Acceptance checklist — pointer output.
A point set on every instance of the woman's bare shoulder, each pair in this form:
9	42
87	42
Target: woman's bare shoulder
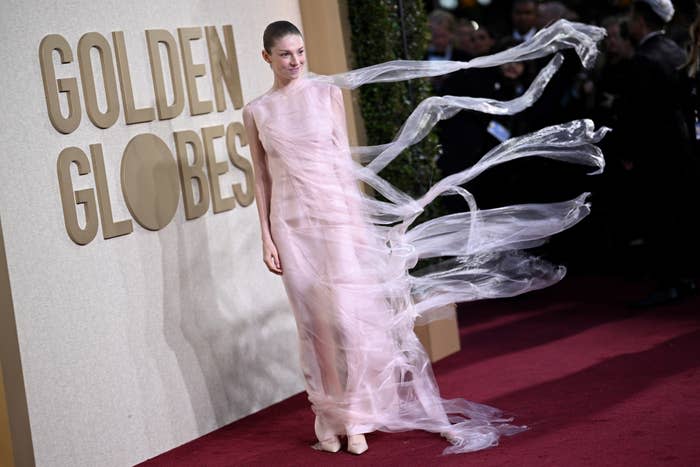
252	108
252	104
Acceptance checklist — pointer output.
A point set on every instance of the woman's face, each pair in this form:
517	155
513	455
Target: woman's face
287	57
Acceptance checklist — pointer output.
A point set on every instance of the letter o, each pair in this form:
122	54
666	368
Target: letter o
150	181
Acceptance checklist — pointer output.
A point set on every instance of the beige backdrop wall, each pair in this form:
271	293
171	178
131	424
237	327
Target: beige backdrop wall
133	345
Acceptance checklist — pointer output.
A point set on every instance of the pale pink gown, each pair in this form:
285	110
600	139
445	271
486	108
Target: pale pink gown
364	368
346	256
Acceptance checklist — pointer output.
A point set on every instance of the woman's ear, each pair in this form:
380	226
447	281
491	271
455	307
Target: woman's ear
266	56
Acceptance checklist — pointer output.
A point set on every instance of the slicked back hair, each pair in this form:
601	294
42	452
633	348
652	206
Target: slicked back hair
277	30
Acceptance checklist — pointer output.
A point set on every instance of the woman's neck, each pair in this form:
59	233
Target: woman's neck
281	83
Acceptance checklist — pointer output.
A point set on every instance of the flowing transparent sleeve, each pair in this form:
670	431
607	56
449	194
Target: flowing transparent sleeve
483	249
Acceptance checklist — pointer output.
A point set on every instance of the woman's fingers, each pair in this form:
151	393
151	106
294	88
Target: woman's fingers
273	264
277	261
271	257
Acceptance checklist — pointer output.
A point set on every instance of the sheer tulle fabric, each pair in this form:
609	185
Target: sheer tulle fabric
346	255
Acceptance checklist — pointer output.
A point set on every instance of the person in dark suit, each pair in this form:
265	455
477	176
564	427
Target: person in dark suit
524	19
657	150
441	47
464	137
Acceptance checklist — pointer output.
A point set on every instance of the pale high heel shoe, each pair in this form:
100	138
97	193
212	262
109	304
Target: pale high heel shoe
357	444
326	441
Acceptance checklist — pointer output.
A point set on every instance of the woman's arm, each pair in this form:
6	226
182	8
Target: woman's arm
263	186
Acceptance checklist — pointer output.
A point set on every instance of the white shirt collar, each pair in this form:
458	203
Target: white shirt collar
446	55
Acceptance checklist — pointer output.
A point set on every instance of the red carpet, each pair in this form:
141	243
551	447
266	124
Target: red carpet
598	383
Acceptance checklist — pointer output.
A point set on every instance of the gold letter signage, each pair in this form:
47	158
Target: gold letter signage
153	176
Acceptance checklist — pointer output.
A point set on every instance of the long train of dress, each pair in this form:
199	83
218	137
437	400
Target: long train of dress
346	255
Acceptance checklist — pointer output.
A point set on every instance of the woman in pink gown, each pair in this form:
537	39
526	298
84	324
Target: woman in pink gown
344	257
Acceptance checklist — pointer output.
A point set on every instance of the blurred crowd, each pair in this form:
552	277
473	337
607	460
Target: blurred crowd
643	87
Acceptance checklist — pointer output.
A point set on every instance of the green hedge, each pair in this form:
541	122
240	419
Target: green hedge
376	37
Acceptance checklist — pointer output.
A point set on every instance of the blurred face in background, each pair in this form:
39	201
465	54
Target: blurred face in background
637	26
513	70
524	16
483	42
616	46
464	37
440	37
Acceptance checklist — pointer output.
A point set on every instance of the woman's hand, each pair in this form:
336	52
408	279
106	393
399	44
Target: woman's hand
271	257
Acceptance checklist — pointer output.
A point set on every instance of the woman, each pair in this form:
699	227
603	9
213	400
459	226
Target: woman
305	194
344	256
